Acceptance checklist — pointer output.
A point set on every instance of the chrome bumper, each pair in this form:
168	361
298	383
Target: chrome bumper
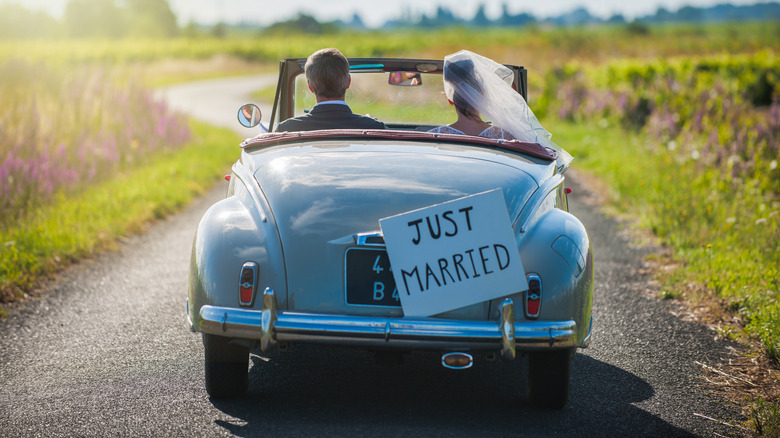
270	327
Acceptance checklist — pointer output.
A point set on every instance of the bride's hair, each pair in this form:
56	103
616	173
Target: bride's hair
480	87
460	74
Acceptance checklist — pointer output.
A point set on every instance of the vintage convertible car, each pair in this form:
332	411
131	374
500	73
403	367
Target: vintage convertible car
299	251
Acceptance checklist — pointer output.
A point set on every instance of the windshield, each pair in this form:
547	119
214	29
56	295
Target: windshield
370	93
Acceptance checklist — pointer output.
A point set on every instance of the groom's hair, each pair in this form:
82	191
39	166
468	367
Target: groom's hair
327	71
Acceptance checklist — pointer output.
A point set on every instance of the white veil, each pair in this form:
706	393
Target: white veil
474	81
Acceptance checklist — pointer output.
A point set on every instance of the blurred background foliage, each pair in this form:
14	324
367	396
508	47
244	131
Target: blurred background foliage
91	19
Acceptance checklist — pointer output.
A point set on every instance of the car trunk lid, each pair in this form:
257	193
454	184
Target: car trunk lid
324	196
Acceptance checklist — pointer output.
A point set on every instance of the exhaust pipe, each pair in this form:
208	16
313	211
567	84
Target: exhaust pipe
457	361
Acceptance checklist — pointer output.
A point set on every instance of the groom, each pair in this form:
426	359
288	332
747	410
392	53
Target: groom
327	73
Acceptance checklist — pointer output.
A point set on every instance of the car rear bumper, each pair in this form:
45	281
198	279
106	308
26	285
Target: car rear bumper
270	327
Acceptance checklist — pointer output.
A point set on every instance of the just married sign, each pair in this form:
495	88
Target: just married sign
453	254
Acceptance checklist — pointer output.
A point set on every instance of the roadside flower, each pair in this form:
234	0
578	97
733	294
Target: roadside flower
44	153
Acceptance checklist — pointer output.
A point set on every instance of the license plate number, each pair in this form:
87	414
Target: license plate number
369	278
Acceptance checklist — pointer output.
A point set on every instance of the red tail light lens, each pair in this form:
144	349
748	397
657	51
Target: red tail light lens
247	284
533	297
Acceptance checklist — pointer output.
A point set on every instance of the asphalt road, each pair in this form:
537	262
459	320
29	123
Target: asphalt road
106	352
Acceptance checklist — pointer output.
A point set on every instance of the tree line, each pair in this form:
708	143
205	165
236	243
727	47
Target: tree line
91	18
155	19
726	12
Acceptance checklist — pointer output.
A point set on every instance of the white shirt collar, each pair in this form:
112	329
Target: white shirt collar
338	102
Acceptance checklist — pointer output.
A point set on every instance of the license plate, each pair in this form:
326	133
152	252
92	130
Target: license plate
369	278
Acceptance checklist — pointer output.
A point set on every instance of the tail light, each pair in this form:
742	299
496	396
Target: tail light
533	297
247	284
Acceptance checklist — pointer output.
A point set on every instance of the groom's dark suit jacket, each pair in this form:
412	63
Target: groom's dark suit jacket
329	116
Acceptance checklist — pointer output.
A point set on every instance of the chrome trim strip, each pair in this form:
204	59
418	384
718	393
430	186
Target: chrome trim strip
586	341
375	331
190	325
362	239
268	320
246	176
527	213
507	310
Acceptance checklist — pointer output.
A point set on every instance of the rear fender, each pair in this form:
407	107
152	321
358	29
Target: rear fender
230	233
557	248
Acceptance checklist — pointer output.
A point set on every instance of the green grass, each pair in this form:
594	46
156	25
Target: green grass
764	417
700	170
725	235
77	226
267	94
166	73
533	46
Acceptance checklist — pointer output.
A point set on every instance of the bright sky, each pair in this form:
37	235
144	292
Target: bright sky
377	12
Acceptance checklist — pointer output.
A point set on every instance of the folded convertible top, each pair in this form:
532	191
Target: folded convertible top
275	138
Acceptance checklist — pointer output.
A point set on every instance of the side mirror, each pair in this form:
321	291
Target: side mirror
405	79
249	115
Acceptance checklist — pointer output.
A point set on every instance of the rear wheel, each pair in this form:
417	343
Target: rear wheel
548	378
226	366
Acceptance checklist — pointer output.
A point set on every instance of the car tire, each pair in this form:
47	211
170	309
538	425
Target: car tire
548	378
226	366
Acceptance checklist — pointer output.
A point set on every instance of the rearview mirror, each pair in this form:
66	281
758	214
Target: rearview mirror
249	115
405	79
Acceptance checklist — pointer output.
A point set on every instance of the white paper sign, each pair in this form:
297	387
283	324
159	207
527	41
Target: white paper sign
454	254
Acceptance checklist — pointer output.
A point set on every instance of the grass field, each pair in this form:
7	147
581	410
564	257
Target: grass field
82	222
705	179
537	48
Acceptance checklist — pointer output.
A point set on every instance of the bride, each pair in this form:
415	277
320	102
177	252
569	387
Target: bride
480	87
